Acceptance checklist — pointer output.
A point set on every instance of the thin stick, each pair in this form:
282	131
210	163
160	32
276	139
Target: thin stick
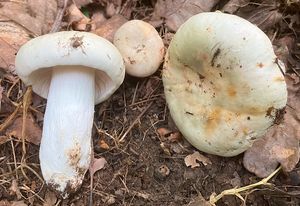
237	191
9	120
134	122
14	156
62	5
26	104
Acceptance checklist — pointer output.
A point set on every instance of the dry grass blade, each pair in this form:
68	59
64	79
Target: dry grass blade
121	139
10	118
26	105
236	191
62	5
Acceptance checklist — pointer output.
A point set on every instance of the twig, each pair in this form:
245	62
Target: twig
26	104
236	191
62	5
11	117
134	122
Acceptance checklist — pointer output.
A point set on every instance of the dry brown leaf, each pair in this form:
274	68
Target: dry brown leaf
13	203
50	199
98	18
81	3
281	143
191	160
166	134
264	16
163	132
36	16
12	36
177	12
18	203
15	190
19	21
1	91
283	48
33	132
96	164
109	27
233	5
103	145
78	20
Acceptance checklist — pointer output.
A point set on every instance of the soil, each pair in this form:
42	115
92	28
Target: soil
143	169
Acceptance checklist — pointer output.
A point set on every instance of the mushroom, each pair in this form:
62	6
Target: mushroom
223	84
141	47
74	70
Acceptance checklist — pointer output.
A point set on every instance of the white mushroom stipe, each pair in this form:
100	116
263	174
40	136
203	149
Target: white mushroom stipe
74	70
222	83
66	144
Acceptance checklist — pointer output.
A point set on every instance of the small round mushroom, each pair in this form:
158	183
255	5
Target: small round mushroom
141	47
74	70
222	82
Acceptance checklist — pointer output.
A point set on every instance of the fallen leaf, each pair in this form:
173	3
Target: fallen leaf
4	139
81	3
283	48
265	16
98	18
177	12
50	199
5	203
191	160
166	134
109	27
96	164
19	21
1	91
233	5
111	6
103	145
281	143
18	203
163	132
78	20
12	37
15	190
33	132
36	16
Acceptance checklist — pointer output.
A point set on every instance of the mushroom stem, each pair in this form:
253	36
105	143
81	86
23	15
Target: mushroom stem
65	150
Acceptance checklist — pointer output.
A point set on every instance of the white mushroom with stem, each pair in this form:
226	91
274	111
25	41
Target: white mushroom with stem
141	47
74	70
223	83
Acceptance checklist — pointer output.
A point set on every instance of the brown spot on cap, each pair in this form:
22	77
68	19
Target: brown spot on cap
260	65
213	119
231	91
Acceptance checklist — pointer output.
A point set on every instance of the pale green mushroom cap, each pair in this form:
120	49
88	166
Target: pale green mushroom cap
222	83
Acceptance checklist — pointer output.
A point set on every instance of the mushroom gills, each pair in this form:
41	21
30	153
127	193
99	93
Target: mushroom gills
65	151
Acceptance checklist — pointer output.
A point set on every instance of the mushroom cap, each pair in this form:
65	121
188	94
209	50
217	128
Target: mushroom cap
36	59
141	47
222	82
